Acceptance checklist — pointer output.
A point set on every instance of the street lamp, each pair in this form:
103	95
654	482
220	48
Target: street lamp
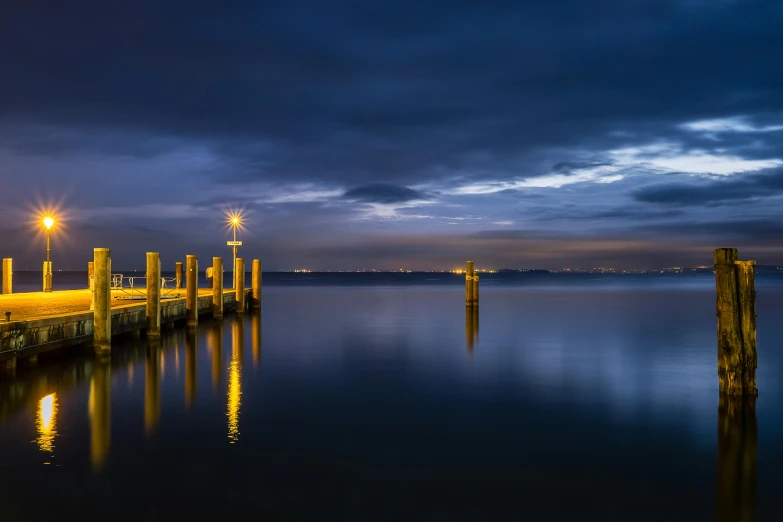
235	221
48	222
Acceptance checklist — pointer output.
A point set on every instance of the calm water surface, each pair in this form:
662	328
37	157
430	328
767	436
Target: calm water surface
588	399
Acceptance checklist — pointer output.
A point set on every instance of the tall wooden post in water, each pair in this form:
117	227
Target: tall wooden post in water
736	311
240	285
8	275
102	314
191	296
469	284
256	281
153	294
217	287
178	275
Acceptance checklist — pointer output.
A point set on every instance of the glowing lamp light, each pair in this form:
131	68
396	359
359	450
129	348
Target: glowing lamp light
48	222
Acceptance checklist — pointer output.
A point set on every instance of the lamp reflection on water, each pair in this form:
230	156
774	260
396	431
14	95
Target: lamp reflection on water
46	423
235	379
100	412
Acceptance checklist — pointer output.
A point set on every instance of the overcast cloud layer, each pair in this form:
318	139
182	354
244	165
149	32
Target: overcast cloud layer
380	134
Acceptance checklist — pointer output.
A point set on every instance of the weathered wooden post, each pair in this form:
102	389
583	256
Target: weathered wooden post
8	275
256	280
217	287
90	273
746	295
178	274
153	294
190	367
102	299
240	278
736	296
191	297
469	284
475	290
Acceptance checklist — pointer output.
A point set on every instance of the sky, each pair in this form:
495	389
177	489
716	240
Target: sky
392	134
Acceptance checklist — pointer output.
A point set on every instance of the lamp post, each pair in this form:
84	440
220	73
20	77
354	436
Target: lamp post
48	222
235	220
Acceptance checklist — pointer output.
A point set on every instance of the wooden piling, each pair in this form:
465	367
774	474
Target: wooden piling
217	287
240	279
469	284
8	275
90	273
734	283
475	290
178	274
256	281
746	296
102	300
153	294
191	296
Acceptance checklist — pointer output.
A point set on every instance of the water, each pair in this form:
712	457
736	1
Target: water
375	397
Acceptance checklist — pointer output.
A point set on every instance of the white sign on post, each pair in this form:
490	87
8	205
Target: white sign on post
234	243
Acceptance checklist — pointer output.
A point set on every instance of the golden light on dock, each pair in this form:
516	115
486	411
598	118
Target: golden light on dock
46	423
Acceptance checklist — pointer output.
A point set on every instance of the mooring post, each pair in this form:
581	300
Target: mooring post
102	300
240	278
8	275
153	294
469	284
736	309
178	274
90	273
47	276
256	280
746	295
191	298
475	290
217	287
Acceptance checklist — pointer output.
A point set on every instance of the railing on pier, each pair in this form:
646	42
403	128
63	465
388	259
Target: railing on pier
126	287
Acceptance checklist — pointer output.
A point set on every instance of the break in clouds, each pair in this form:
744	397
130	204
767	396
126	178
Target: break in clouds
388	134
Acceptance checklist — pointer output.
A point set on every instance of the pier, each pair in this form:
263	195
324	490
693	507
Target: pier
37	322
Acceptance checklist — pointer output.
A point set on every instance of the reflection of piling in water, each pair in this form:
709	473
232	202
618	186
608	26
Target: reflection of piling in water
255	337
100	411
471	327
190	367
215	343
736	306
152	388
737	436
